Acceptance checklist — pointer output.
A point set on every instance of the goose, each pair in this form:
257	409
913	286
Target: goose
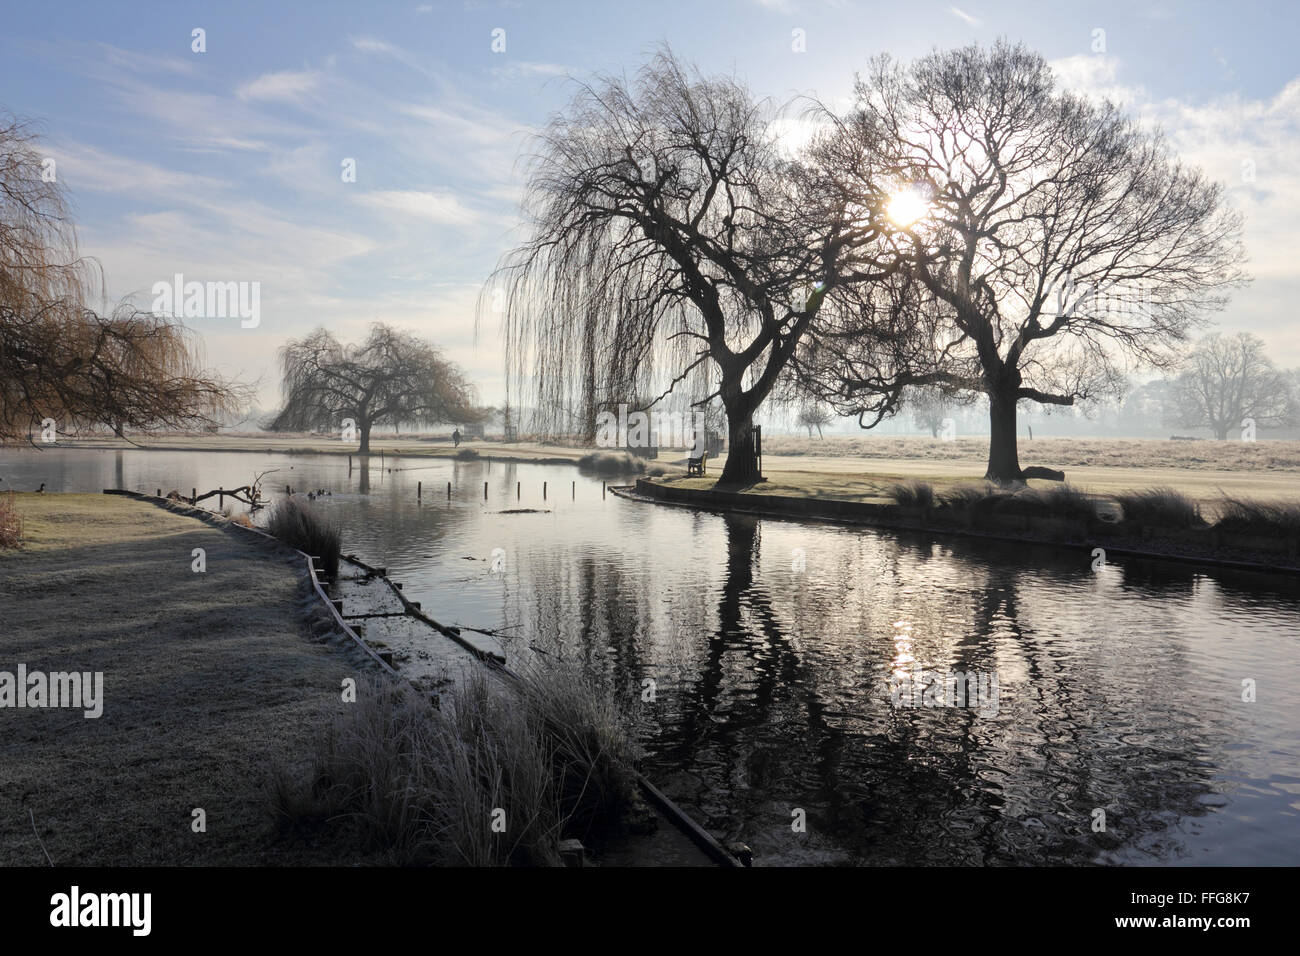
41	489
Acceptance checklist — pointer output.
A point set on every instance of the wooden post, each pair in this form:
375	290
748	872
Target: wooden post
485	491
449	491
517	490
221	496
159	492
288	490
543	491
194	495
602	489
419	490
573	490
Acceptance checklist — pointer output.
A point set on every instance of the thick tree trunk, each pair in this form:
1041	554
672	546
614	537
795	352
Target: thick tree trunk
741	467
1004	459
365	437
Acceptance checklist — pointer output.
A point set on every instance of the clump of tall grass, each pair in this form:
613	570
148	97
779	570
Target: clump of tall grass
301	526
1267	519
543	759
594	740
11	523
1058	501
1161	507
467	454
606	463
912	494
970	497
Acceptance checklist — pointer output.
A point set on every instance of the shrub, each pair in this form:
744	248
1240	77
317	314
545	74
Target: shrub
974	497
11	523
1058	501
606	463
467	454
301	526
1268	519
912	494
1160	508
422	782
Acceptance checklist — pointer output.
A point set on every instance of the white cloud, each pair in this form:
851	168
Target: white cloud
443	208
1096	76
284	86
372	45
524	69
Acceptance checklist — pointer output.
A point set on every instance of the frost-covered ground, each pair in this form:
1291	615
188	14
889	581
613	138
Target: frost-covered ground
209	680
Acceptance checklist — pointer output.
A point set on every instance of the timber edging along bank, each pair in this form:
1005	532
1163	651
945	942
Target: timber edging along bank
1073	533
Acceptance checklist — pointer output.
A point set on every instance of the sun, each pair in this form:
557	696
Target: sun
905	207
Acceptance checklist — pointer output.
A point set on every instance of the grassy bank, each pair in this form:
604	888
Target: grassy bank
210	679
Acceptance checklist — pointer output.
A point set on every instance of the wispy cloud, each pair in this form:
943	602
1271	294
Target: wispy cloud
443	208
285	86
962	15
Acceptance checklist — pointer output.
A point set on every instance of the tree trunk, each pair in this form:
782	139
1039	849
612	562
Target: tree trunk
1004	459
741	468
1221	433
365	436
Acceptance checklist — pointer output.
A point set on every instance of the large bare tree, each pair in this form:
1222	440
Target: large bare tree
61	358
391	377
1228	379
1055	239
673	243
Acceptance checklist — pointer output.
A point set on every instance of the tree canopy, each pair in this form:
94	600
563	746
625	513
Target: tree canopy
1050	240
390	378
673	242
60	357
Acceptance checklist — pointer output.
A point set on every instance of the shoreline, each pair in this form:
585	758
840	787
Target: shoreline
855	469
1074	534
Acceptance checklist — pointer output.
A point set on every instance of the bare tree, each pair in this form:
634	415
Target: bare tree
60	358
672	241
815	415
1227	379
930	407
1055	238
391	376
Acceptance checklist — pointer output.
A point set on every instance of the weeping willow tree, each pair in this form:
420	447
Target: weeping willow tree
389	378
61	358
675	244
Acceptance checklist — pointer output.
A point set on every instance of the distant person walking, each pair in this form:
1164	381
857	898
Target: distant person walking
455	436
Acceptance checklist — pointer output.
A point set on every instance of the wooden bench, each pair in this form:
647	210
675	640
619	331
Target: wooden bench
695	466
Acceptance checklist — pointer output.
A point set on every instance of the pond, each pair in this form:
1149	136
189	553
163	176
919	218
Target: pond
1110	718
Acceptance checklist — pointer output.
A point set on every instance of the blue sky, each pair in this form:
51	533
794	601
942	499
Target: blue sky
225	165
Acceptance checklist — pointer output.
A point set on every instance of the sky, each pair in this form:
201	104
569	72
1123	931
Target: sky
229	164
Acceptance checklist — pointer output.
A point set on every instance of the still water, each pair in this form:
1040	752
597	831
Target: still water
775	649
